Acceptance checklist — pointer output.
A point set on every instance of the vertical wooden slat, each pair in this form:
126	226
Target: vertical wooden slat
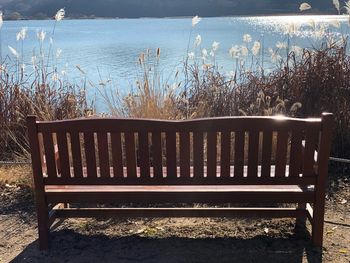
103	155
89	144
157	155
211	154
42	153
117	154
49	154
76	154
198	147
295	154
266	154
225	154
239	154
184	154
253	153
171	154
130	154
311	138
63	154
144	154
281	153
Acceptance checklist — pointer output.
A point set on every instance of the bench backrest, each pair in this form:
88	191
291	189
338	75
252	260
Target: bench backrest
227	150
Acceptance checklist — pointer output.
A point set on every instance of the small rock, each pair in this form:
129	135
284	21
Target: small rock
343	201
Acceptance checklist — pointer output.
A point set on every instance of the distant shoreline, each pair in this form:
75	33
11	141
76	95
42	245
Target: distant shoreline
173	17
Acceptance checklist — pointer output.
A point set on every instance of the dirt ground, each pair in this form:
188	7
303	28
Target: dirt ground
171	239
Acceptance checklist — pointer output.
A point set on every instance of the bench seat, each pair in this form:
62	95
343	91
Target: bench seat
178	193
175	188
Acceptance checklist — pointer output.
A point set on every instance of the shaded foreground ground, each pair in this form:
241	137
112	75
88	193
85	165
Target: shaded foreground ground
171	240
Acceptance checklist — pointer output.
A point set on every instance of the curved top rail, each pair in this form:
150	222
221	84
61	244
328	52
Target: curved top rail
277	118
204	124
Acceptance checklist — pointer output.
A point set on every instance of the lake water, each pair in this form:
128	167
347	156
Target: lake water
110	48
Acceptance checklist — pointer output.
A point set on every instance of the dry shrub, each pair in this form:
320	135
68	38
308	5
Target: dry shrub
153	98
317	82
15	175
48	101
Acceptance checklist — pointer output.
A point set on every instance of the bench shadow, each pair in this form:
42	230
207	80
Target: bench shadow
70	246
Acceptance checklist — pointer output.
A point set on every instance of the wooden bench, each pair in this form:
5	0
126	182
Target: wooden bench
214	160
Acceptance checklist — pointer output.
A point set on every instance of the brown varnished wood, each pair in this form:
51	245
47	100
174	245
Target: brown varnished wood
184	154
144	154
324	149
49	154
174	188
198	154
103	154
39	191
171	154
157	155
295	154
225	154
204	125
266	154
63	154
130	153
311	137
42	153
192	180
152	197
76	154
239	154
281	153
211	154
200	184
89	145
180	212
253	151
117	155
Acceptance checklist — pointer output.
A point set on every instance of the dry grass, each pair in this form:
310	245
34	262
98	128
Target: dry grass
303	86
152	96
19	98
16	175
316	83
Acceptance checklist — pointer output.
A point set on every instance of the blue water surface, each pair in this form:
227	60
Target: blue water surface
109	48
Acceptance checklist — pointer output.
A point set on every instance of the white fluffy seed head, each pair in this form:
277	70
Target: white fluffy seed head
196	20
198	40
215	46
41	35
336	5
281	45
60	14
13	51
191	55
256	48
1	19
304	7
21	35
247	38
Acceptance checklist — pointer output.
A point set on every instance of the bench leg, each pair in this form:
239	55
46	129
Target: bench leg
43	226
301	221
318	222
